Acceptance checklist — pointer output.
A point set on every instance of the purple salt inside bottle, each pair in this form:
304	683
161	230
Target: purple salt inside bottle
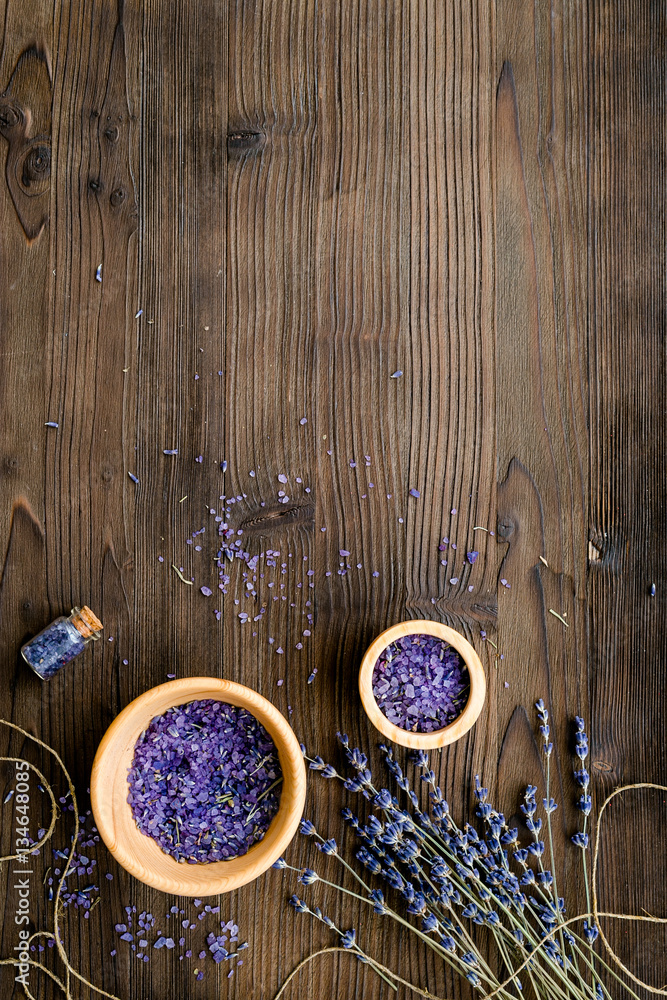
61	641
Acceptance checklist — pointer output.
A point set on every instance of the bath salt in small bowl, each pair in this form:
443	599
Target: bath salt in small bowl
422	684
260	805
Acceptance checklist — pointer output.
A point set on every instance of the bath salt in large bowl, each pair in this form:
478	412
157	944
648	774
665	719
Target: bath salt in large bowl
422	684
198	786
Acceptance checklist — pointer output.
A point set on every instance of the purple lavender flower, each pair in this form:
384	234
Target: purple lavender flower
308	876
349	938
328	846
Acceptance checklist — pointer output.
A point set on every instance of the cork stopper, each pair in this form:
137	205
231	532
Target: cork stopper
86	622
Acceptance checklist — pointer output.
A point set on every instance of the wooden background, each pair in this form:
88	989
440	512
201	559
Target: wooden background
306	197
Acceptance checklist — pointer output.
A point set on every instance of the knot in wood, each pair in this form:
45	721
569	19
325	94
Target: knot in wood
244	140
111	133
270	519
36	168
10	115
506	528
117	197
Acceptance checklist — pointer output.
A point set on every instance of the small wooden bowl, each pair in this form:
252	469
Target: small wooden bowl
138	853
461	724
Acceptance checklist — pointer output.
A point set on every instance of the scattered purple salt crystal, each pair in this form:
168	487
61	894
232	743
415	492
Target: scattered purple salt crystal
282	478
454	579
204	782
453	510
206	591
223	467
138	314
51	423
304	420
397	374
200	459
133	477
98	273
112	952
353	465
344	553
420	683
415	493
170	451
472	557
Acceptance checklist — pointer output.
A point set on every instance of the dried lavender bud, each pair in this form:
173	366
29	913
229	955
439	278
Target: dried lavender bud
204	781
420	683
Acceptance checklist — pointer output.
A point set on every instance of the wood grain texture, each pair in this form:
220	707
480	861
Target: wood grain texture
289	202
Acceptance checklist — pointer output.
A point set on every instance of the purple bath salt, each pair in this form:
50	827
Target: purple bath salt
61	641
420	683
204	781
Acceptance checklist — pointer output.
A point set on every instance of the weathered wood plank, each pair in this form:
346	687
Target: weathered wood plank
628	489
300	199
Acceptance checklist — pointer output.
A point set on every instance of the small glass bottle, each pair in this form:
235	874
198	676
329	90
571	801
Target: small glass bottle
61	641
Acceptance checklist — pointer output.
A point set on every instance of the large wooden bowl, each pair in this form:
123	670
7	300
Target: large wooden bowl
461	724
140	854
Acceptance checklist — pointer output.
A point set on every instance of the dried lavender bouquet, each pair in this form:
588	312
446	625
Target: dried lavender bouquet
440	878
